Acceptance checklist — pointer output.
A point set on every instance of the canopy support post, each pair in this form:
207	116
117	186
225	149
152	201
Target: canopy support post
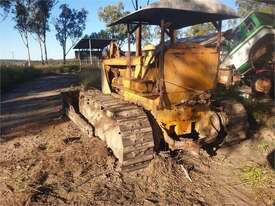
173	35
129	51
138	40
161	64
218	26
219	37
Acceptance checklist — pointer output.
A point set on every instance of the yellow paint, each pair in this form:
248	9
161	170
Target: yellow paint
123	61
189	70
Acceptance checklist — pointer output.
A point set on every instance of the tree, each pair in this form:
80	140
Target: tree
200	29
136	3
102	34
246	6
40	14
22	19
36	14
266	1
6	5
110	14
37	30
70	24
147	33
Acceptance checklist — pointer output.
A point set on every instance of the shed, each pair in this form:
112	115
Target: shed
89	50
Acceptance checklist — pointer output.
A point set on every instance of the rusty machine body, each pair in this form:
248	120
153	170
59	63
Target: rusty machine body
160	93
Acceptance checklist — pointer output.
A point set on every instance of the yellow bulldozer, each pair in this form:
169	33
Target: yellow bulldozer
161	95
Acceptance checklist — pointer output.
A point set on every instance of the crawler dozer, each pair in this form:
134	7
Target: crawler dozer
162	94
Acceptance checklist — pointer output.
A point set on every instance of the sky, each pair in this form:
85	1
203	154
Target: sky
12	47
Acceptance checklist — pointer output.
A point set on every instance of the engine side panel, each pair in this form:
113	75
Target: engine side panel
189	70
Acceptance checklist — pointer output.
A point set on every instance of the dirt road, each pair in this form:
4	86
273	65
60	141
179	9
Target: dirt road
36	101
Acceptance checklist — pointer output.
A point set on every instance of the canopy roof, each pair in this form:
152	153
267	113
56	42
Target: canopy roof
95	43
179	13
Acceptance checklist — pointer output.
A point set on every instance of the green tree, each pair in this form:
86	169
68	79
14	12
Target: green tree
148	33
102	34
22	19
36	28
110	14
31	16
40	14
137	3
266	1
246	6
6	6
70	24
200	29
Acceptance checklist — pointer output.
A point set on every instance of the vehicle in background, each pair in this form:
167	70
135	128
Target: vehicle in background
248	54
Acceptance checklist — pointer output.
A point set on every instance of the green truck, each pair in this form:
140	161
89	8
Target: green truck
248	51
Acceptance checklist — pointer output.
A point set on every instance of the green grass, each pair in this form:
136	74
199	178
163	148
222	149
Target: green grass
263	147
255	176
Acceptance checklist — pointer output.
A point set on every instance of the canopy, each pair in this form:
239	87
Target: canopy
179	13
95	43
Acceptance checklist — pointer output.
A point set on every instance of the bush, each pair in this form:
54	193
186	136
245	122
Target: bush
15	74
90	77
58	68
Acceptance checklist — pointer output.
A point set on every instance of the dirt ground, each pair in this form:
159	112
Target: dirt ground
57	165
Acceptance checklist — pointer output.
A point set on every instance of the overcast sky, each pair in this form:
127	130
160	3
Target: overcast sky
11	46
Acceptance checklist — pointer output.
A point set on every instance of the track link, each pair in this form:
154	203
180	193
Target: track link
123	126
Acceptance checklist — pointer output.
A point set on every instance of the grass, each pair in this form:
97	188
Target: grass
12	75
263	147
90	77
255	176
58	68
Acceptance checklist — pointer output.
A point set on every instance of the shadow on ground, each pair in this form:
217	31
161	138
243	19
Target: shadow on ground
35	102
271	159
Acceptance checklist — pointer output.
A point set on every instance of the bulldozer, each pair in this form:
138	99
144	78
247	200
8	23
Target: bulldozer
161	96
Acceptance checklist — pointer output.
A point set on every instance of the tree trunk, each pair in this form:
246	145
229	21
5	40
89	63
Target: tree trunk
45	50
24	37
28	48
64	53
41	50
